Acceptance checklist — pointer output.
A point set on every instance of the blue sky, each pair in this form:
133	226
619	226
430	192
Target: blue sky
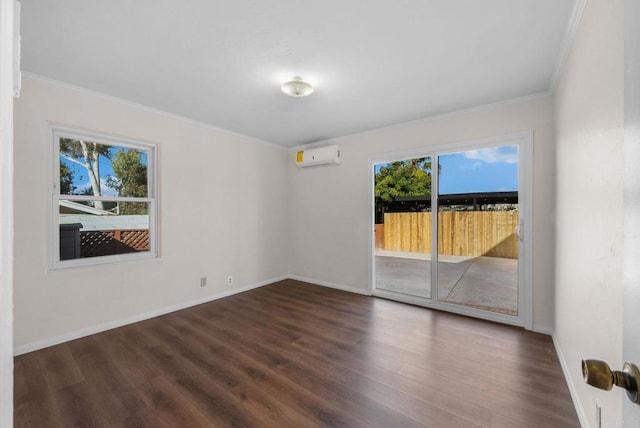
487	170
494	169
81	178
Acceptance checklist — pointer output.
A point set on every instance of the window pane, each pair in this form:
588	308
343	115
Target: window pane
403	226
477	221
96	169
89	231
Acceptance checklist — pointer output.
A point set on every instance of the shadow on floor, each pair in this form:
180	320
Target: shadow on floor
487	283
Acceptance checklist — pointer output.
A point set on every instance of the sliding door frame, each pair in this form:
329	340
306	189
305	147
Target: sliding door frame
524	140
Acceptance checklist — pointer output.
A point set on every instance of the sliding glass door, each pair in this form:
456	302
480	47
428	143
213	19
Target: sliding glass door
403	226
477	229
450	236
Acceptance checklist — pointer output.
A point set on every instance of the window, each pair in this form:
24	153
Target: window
103	200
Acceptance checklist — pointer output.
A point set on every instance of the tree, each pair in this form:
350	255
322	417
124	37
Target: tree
86	154
403	178
66	180
130	179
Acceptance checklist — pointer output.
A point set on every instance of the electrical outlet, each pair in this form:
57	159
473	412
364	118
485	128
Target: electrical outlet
203	281
230	280
598	415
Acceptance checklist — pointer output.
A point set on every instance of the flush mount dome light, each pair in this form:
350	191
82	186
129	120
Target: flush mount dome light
297	87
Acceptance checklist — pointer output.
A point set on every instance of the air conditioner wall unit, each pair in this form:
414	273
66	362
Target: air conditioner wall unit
328	155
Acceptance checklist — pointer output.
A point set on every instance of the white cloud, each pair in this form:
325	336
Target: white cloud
504	154
106	191
464	166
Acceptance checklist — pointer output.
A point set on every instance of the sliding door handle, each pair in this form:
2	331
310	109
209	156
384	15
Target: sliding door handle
519	232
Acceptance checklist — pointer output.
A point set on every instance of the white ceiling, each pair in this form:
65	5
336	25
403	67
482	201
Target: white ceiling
374	63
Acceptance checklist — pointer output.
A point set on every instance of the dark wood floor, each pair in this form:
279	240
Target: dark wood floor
297	355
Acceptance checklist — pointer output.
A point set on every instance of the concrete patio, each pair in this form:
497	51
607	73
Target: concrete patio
487	283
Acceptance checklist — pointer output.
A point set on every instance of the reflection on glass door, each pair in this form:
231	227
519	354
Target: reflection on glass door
403	237
478	246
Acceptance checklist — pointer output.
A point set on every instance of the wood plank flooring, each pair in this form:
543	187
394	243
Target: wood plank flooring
297	355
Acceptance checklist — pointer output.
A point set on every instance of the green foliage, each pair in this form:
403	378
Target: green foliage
66	180
87	155
71	148
130	179
130	173
403	178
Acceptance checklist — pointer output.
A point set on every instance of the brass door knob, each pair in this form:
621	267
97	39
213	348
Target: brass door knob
598	374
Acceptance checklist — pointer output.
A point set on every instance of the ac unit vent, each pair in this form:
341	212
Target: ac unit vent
328	155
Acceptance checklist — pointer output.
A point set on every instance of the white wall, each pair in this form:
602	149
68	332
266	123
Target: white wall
631	276
329	232
221	199
589	104
6	211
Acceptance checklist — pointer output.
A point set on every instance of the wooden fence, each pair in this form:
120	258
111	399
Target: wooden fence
109	242
461	233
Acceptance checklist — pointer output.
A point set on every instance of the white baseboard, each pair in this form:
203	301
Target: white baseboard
77	334
572	388
330	285
543	330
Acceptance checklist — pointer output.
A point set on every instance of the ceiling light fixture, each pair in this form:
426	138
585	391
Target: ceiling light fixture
297	87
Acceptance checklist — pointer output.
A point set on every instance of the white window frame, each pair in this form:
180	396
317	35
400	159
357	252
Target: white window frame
57	132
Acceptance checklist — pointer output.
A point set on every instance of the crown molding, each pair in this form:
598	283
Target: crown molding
567	41
425	120
144	108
